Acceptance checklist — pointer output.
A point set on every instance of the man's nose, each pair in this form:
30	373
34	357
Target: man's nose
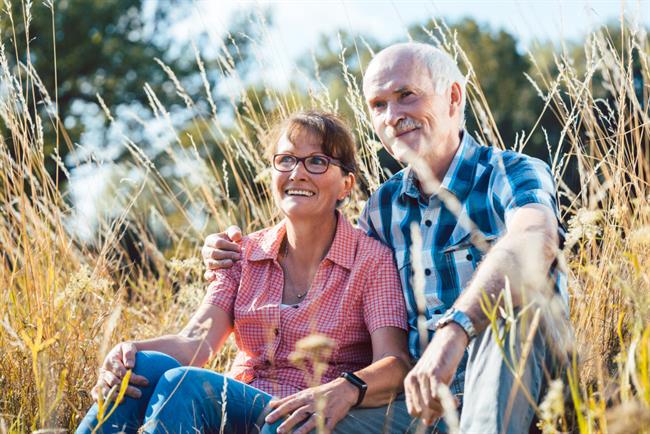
393	115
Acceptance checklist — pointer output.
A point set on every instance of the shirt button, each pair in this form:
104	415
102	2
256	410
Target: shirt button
428	223
276	331
468	257
427	271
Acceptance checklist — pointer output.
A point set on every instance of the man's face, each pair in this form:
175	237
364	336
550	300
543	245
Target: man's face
405	109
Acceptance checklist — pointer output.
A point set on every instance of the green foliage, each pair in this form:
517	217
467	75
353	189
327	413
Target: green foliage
85	48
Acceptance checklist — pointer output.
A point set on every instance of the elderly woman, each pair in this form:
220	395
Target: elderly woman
311	273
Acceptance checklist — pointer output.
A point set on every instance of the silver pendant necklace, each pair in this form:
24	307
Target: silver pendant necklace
284	252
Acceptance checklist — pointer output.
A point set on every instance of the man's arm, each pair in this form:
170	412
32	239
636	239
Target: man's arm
523	256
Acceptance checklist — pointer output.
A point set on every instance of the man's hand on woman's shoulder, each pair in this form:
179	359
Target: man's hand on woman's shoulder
221	250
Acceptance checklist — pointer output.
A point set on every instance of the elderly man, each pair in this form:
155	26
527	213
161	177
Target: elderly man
464	200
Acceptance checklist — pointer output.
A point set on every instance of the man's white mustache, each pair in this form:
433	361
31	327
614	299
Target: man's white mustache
405	124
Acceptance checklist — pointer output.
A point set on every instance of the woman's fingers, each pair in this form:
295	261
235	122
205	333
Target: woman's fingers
295	418
284	407
138	380
133	392
109	379
128	354
112	392
309	425
114	364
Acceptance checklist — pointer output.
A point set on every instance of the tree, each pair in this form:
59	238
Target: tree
85	48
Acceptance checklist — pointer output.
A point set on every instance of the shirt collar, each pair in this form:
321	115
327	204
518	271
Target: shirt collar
459	178
268	245
342	250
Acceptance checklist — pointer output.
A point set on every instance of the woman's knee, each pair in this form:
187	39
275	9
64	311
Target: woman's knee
153	364
188	380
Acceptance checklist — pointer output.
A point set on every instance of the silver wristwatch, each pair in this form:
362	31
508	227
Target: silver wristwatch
460	318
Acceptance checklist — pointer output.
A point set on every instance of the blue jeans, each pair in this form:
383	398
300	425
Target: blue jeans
491	404
181	399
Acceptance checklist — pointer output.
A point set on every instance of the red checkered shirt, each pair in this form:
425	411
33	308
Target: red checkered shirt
355	291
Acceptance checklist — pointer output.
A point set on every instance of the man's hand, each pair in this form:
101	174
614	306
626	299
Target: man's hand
221	250
437	366
338	396
117	362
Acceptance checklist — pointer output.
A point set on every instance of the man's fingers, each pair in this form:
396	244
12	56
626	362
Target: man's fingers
212	264
412	392
211	239
430	415
221	255
128	355
234	233
426	391
228	246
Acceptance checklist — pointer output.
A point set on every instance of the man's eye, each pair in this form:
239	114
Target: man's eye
378	105
406	93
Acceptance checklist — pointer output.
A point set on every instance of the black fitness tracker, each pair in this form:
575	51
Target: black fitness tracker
358	383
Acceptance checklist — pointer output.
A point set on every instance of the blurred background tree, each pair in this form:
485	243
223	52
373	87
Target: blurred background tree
85	48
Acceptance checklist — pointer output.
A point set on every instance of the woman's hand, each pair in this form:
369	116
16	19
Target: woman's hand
117	362
338	397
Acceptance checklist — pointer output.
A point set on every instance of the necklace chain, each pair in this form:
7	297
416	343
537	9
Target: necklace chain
284	252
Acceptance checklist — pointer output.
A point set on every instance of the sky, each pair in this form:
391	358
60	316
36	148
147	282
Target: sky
298	23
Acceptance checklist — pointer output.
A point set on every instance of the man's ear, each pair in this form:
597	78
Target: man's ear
455	98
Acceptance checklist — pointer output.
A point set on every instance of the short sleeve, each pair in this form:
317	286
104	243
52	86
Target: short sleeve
223	289
383	300
527	181
364	222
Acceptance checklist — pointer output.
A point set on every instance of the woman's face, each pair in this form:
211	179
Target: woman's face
300	194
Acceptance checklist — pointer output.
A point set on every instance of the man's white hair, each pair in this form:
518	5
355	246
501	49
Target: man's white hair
442	68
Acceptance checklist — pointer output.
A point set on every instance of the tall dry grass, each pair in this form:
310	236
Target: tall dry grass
64	302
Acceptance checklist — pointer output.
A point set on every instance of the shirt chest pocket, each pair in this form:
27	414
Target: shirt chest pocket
434	303
463	258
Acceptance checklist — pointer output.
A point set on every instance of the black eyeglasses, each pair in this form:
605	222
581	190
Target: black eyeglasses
315	164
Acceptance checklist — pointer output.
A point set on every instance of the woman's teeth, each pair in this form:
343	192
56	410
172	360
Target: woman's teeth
300	193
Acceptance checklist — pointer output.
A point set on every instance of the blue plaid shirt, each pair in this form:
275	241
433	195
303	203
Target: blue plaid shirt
490	185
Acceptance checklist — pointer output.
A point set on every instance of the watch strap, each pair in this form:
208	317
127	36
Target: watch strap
460	318
358	383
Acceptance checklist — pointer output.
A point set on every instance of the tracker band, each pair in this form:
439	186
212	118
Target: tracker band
358	383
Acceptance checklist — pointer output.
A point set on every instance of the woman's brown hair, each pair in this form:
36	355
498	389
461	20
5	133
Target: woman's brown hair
336	139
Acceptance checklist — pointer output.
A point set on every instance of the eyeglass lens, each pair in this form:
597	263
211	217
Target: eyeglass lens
313	163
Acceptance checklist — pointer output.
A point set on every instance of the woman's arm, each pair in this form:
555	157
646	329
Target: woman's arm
199	340
390	364
384	377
